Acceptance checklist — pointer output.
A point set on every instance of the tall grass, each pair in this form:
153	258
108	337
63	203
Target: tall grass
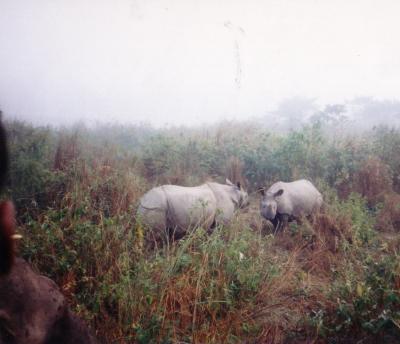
335	279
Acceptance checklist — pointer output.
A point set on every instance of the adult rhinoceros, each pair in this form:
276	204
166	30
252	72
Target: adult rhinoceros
178	209
283	202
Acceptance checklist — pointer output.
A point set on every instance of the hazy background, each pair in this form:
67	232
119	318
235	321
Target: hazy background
192	62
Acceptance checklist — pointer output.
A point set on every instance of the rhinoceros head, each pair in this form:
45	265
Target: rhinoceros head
240	196
269	205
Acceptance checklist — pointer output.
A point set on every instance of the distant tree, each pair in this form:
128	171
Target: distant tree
369	112
293	113
332	114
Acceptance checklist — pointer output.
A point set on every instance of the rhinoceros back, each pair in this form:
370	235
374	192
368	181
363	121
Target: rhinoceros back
177	207
299	198
189	207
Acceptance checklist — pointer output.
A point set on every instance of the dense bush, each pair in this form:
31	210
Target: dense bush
334	280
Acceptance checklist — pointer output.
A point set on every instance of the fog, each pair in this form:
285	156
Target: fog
192	62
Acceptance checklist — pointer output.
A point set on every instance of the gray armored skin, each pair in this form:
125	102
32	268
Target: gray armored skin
180	209
284	202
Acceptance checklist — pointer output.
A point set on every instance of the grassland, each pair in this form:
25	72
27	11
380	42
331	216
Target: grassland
336	280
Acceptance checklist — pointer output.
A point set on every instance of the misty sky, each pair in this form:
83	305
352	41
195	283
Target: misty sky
188	61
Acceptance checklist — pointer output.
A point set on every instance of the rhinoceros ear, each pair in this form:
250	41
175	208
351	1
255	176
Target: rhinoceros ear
228	182
261	191
239	185
278	193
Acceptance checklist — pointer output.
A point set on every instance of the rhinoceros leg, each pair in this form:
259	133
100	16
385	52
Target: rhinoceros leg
175	233
283	220
275	223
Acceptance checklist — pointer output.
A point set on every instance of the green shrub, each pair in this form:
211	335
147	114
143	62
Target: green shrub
333	280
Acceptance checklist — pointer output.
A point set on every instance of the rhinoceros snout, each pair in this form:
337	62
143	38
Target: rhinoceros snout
267	212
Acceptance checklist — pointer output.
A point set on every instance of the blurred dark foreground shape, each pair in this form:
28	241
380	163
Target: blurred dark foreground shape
32	308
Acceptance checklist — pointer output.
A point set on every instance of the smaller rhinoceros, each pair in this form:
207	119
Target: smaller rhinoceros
284	202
